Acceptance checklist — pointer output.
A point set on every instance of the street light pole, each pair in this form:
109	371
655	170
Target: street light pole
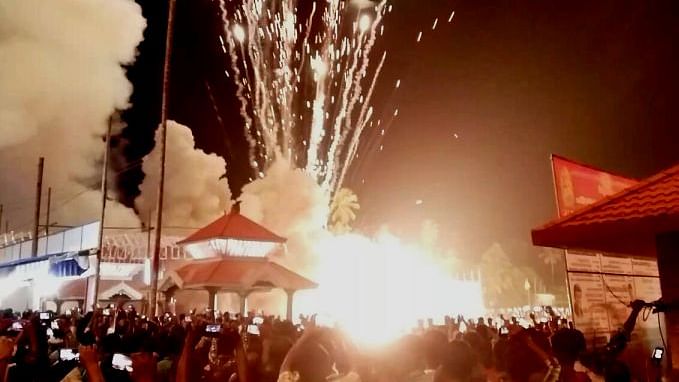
104	188
155	263
526	286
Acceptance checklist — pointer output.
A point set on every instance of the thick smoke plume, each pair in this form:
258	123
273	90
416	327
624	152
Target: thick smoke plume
196	191
291	203
61	79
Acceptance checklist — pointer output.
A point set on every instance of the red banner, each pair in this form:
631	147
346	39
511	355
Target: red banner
577	185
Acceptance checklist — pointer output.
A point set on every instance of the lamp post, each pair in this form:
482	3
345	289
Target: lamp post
526	286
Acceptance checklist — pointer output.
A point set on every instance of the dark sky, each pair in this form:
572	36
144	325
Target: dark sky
516	81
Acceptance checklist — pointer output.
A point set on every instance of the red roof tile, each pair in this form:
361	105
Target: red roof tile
651	205
236	274
75	289
233	226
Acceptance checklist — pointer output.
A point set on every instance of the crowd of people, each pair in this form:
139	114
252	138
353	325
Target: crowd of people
118	344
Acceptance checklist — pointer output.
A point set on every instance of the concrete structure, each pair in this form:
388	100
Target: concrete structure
642	220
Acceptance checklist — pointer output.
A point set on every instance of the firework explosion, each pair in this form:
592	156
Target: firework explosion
304	80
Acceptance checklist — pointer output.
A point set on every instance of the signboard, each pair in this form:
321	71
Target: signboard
589	305
577	185
602	286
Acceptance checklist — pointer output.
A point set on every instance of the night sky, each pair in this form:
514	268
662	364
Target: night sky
516	81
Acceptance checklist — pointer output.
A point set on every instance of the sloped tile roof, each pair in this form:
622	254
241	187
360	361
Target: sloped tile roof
233	226
237	274
652	204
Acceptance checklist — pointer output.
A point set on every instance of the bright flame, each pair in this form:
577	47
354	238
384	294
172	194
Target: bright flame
239	33
378	289
364	23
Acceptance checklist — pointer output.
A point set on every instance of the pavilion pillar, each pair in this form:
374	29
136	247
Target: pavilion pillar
288	309
243	302
212	294
667	250
169	293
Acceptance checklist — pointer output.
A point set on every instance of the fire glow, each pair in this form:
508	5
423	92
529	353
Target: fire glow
378	289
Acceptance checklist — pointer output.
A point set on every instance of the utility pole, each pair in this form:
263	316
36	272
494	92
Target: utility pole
47	218
104	188
155	264
38	195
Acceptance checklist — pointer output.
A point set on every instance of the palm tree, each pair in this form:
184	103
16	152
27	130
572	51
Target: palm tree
497	274
343	211
550	257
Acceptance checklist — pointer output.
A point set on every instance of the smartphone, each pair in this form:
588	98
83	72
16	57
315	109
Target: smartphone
187	319
253	329
54	324
69	354
44	316
107	312
463	327
17	326
213	330
258	320
121	362
49	332
658	353
504	331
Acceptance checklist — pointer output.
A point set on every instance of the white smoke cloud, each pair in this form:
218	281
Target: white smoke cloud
61	79
289	202
195	191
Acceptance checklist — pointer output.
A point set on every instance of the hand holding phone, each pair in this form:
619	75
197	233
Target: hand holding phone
253	329
658	353
213	330
69	355
121	362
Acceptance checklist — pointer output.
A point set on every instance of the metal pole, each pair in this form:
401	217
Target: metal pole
2	207
104	188
155	264
47	218
38	195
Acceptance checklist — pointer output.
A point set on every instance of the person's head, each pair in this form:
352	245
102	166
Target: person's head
320	355
567	193
617	371
567	345
435	347
577	292
405	357
522	362
458	364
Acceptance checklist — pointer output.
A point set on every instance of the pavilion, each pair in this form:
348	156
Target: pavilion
231	255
